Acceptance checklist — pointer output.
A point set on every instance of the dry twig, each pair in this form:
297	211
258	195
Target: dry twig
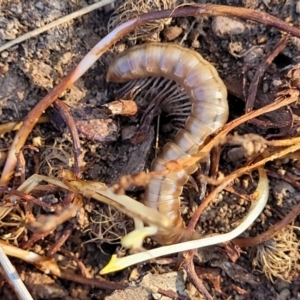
259	239
261	70
49	266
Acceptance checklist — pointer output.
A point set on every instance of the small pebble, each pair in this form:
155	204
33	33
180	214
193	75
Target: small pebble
265	87
235	154
128	132
16	8
134	275
285	294
39	5
254	56
281	172
245	183
172	32
4	54
281	285
66	58
223	26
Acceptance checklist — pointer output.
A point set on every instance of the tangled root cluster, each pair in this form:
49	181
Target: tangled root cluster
280	256
131	8
108	226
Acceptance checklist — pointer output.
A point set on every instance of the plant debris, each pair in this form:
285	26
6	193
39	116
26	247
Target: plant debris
61	230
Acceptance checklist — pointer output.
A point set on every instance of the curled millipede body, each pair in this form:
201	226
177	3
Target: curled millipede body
209	111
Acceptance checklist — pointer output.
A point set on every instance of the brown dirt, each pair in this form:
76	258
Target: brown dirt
29	70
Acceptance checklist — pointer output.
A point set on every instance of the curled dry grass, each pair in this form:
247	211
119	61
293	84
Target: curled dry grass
279	257
131	9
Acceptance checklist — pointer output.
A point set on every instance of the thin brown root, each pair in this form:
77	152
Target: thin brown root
274	230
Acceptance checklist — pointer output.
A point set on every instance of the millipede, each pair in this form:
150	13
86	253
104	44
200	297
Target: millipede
209	111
